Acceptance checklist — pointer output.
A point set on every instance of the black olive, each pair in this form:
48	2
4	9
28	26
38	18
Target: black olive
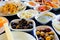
38	36
20	26
13	23
20	22
30	26
30	22
14	26
23	22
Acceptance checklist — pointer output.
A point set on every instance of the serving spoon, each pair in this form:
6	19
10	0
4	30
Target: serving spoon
8	32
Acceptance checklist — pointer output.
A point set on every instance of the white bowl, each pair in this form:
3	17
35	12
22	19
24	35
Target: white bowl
27	4
30	11
35	8
16	20
2	3
44	26
45	18
56	24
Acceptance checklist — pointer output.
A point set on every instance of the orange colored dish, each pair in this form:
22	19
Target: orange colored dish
43	8
3	20
51	5
32	3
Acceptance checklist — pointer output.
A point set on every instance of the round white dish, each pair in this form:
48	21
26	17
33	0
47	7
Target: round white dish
16	20
36	8
44	26
2	3
22	36
25	14
18	36
45	17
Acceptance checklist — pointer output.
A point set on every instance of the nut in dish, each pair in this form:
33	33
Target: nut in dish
45	33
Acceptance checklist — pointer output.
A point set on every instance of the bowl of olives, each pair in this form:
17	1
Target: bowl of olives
45	33
22	25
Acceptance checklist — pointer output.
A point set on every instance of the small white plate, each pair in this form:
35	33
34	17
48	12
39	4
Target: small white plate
18	36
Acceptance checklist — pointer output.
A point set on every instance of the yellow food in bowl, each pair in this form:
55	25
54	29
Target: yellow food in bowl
11	8
3	21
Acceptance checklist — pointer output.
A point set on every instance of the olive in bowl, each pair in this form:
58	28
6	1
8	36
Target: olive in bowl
22	24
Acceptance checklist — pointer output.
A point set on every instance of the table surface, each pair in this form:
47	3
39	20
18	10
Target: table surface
56	11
